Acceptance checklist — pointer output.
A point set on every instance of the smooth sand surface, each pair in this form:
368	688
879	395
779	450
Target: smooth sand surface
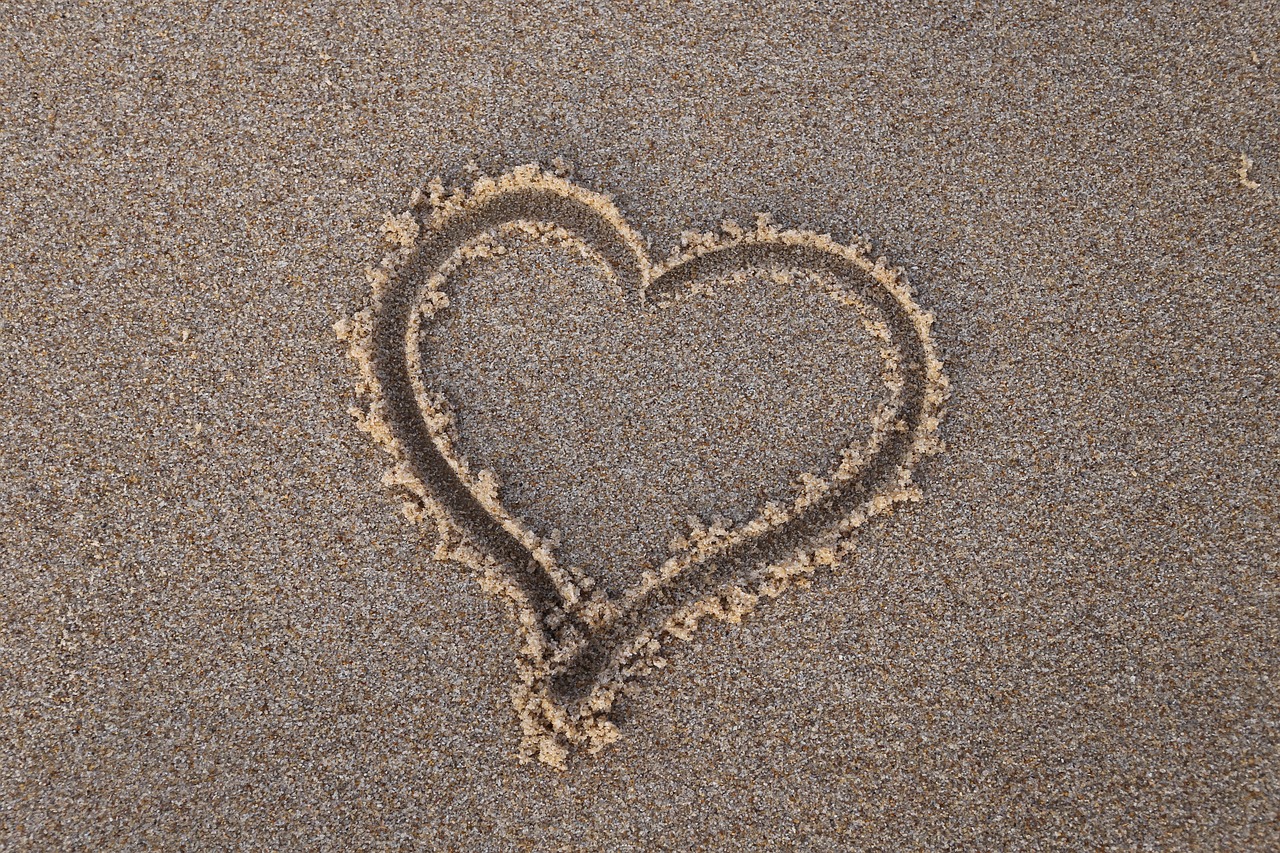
218	631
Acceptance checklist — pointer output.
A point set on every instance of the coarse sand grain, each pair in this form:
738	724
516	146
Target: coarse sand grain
218	629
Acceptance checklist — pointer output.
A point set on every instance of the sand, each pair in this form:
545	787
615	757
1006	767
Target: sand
219	630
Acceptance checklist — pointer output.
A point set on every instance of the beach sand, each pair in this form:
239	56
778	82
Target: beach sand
218	630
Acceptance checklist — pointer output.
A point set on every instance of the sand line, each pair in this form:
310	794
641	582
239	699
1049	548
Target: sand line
580	645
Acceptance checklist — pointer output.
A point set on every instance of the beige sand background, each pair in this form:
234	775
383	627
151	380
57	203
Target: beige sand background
216	632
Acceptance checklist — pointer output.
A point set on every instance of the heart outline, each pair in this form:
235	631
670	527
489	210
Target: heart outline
579	652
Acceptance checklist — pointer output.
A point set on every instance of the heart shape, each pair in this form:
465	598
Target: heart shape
581	644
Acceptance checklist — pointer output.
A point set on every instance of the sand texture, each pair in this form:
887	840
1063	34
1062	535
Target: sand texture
972	547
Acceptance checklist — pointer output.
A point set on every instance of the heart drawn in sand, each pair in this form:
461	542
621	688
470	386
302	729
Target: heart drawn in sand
581	643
